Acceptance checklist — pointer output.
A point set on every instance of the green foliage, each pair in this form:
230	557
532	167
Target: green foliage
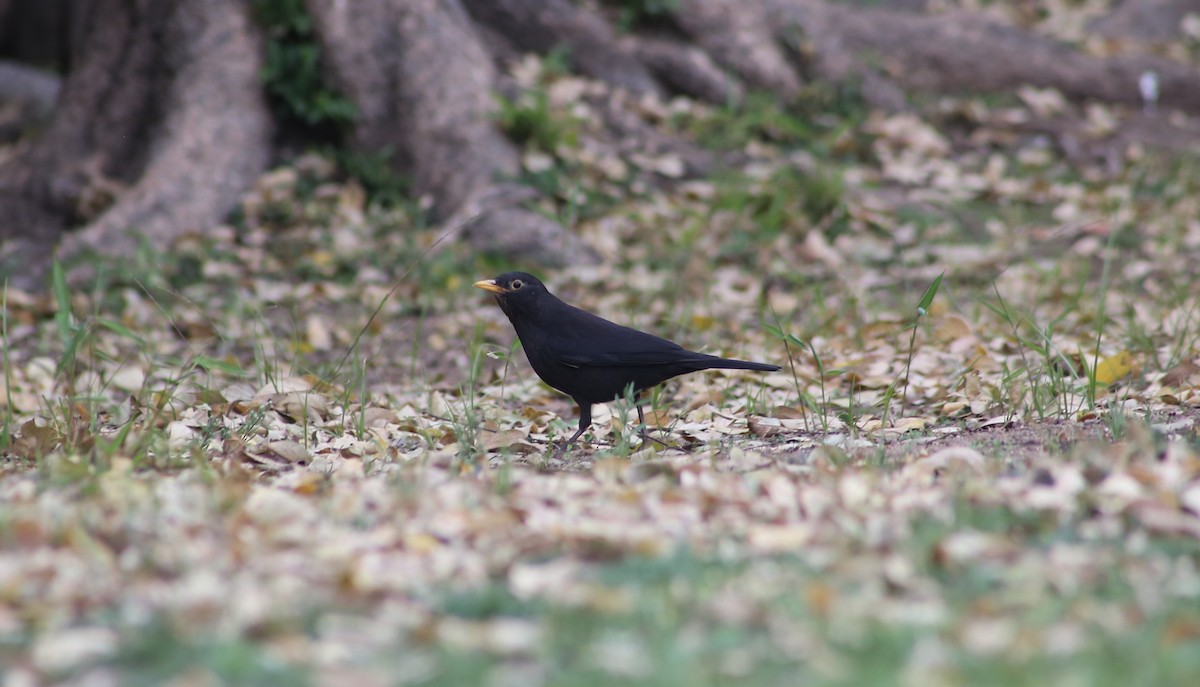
634	13
922	310
292	73
819	121
551	130
668	633
787	195
529	120
374	171
1050	377
790	197
158	653
1101	317
70	333
683	565
488	602
805	401
466	417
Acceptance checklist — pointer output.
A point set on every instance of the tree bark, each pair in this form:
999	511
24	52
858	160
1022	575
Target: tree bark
592	45
1145	20
740	37
422	82
959	51
160	128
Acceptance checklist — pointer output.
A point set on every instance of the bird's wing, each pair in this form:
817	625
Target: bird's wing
618	346
586	340
625	358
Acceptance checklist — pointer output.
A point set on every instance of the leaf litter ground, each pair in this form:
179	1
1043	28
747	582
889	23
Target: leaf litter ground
194	489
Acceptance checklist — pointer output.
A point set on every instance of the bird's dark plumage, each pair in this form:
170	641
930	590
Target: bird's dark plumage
587	357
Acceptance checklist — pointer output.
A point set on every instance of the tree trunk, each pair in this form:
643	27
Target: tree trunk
422	81
160	128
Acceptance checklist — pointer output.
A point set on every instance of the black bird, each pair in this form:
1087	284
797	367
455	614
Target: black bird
587	357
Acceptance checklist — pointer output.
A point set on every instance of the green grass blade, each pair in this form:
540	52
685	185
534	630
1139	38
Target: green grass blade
930	293
62	302
217	365
120	330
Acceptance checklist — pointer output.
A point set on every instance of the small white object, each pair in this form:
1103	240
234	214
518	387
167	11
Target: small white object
1148	86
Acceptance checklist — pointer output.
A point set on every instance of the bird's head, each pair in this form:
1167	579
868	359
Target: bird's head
518	293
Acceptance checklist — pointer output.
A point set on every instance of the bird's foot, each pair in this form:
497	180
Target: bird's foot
560	451
645	435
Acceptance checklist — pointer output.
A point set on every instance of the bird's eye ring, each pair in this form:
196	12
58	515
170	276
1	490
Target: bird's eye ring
517	284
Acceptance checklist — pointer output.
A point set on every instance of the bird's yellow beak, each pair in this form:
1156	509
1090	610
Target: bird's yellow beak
490	285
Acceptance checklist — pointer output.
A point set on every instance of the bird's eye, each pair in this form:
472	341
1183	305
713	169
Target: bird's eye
517	283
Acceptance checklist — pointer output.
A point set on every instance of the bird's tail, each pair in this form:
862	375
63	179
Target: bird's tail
713	362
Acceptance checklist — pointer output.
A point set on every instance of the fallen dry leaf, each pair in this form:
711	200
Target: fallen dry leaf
1114	367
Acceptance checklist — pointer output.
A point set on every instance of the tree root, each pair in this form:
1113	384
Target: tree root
142	145
955	52
423	81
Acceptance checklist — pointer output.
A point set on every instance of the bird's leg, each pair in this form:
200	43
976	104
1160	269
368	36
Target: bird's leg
585	421
644	431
